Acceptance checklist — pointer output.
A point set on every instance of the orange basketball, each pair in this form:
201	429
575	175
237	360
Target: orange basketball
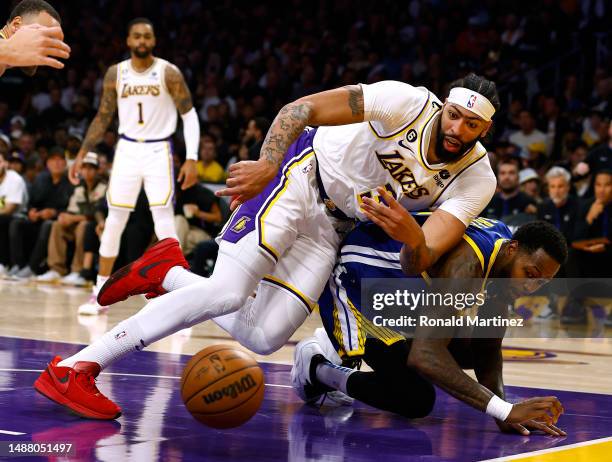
222	386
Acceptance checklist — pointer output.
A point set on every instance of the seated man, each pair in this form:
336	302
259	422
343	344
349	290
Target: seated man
71	225
404	369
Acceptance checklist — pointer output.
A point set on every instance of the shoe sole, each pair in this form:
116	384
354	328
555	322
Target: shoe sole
122	273
53	395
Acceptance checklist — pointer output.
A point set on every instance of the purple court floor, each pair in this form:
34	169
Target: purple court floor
156	426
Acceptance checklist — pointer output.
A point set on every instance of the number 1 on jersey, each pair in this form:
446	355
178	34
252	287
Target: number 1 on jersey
140	121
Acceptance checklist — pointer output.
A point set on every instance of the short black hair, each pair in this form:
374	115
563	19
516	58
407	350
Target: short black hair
135	21
27	7
542	235
262	124
604	171
480	85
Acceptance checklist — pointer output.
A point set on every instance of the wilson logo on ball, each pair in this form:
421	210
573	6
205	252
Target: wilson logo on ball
231	391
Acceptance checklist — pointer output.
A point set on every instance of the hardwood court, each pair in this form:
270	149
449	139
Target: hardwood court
38	321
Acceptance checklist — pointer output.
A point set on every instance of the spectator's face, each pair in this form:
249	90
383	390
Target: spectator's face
16	166
459	131
56	165
603	188
251	131
531	188
578	155
207	151
89	172
26	144
508	177
141	40
558	190
3	165
526	121
4	149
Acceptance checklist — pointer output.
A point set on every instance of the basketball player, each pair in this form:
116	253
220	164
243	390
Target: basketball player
404	370
32	37
147	91
309	187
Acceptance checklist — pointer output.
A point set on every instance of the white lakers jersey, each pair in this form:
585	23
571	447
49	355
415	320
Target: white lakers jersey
146	109
390	150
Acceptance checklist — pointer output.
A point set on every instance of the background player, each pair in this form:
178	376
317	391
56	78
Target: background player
32	37
147	91
388	133
404	369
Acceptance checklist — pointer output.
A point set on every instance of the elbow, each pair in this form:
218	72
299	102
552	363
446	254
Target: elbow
416	360
410	262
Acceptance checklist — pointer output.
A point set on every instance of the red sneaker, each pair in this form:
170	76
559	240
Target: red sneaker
75	388
145	275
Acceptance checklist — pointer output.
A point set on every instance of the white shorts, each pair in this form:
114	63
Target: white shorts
135	163
288	224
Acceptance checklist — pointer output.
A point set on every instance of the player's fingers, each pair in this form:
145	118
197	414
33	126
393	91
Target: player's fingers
232	182
50	62
228	192
389	199
380	208
522	430
559	430
235	203
550	429
374	219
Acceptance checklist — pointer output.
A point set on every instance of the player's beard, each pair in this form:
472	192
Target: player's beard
448	157
142	54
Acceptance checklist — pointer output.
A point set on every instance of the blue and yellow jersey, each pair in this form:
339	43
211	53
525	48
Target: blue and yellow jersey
368	252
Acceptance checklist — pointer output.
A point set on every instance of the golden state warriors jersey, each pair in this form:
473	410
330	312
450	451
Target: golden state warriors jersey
390	148
146	109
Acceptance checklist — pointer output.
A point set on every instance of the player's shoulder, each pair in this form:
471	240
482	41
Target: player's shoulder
397	91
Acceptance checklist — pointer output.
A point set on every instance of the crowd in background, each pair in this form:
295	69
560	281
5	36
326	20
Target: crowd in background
551	146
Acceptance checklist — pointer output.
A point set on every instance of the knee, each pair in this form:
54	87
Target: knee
420	404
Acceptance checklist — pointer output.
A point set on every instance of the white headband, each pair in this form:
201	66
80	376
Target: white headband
472	101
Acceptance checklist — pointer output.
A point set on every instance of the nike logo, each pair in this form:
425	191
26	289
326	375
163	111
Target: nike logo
145	269
61	383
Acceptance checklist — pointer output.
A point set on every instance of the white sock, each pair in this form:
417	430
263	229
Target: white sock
333	376
122	339
178	277
100	280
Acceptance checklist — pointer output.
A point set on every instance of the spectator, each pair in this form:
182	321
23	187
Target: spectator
553	124
71	226
560	209
197	216
577	155
530	183
591	260
592	128
209	170
16	163
509	200
5	144
600	158
13	201
528	133
50	194
254	135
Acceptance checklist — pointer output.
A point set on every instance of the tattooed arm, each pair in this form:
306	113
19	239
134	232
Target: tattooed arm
178	89
106	112
334	107
188	174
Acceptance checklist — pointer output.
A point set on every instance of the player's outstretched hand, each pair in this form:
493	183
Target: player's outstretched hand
392	218
188	174
247	179
545	410
36	45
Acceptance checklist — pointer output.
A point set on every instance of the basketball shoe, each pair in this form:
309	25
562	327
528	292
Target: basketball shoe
145	275
75	388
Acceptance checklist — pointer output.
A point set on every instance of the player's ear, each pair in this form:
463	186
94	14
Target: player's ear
512	248
15	24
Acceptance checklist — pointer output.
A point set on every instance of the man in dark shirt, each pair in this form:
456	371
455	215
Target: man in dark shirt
50	194
560	208
598	159
255	134
509	200
196	216
591	261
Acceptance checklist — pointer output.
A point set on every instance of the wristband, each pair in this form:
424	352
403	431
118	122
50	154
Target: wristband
498	408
